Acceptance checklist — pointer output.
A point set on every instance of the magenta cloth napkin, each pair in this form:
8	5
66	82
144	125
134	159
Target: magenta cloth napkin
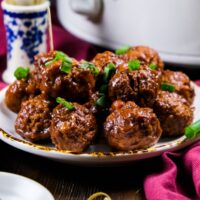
179	179
179	176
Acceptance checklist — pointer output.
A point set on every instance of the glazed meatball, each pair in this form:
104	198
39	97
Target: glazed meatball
131	128
181	82
145	54
75	86
91	104
102	59
19	91
16	94
72	130
34	119
174	113
119	87
40	61
118	104
145	84
139	85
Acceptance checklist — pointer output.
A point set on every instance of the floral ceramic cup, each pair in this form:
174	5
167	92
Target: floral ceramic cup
26	30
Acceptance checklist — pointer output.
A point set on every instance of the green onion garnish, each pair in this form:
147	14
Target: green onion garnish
153	66
101	102
49	62
66	67
192	130
122	50
67	62
103	88
21	72
65	103
90	66
107	71
167	87
134	65
59	56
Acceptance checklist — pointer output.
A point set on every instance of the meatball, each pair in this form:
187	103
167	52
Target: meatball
72	130
119	87
131	128
139	85
19	91
145	54
75	86
181	82
91	104
39	66
34	119
174	113
145	84
102	59
118	104
16	94
40	60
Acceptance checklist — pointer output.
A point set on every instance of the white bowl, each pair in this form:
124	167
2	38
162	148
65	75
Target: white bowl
15	187
171	27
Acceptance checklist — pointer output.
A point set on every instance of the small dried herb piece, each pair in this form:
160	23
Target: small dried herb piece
122	50
134	65
167	87
21	72
65	103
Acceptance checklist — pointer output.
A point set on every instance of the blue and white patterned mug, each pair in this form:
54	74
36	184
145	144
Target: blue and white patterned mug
26	30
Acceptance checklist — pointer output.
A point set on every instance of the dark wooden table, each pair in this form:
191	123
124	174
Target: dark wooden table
68	182
78	183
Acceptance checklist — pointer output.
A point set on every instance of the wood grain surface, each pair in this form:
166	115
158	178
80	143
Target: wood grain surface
72	182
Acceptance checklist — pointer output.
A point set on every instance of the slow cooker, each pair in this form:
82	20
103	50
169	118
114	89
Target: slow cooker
172	27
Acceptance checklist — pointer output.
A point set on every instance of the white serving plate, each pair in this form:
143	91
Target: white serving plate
96	154
15	187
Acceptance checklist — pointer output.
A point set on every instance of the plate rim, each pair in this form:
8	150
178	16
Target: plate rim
31	181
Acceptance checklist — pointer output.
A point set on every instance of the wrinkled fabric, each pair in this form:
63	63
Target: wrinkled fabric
179	179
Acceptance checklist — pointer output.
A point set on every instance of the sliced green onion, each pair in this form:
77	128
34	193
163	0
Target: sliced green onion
122	50
103	89
65	103
66	67
49	63
192	130
21	72
59	56
134	65
107	71
91	67
167	87
102	101
153	66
